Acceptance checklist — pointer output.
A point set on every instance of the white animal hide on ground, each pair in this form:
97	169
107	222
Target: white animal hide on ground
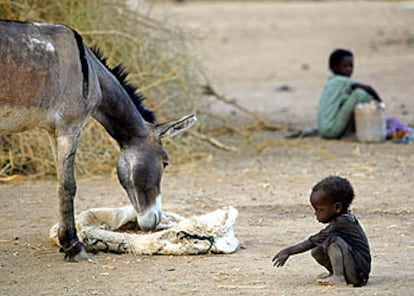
209	233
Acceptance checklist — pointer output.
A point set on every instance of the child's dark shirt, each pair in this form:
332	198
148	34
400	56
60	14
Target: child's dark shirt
348	228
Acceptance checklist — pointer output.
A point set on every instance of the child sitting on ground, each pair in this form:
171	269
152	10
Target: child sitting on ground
340	96
342	247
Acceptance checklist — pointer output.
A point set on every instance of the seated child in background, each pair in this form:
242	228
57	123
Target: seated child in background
342	247
340	96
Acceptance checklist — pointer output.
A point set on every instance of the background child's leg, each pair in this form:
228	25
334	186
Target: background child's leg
345	115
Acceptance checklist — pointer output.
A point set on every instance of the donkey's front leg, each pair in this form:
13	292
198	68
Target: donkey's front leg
66	151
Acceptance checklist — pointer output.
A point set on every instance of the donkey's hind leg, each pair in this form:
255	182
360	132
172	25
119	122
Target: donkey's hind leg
67	144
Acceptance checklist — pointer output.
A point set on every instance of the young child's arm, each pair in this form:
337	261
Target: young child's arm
368	89
280	258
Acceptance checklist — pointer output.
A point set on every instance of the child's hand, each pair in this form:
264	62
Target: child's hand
280	258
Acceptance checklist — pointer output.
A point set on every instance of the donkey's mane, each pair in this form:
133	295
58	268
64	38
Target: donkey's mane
121	75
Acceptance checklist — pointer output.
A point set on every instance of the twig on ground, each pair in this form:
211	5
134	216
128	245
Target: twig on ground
209	91
212	141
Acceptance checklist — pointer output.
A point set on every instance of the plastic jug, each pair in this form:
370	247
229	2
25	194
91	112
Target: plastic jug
370	122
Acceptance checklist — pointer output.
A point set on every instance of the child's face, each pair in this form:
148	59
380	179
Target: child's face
345	67
325	208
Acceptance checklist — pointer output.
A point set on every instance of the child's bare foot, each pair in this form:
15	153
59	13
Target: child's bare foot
331	280
323	275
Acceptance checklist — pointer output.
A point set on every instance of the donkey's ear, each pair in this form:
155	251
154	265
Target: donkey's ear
173	128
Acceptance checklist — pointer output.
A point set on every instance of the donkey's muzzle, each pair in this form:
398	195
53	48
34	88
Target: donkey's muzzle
149	220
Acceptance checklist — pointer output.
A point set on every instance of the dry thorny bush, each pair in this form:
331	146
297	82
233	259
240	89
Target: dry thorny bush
161	59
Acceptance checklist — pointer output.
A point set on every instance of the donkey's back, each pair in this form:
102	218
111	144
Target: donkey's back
41	76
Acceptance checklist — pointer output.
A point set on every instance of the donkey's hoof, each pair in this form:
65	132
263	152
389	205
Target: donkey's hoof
76	253
81	256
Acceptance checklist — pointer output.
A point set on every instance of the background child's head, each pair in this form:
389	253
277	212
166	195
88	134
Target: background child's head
341	62
334	192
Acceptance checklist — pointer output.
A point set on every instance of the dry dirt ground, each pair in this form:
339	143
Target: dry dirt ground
250	50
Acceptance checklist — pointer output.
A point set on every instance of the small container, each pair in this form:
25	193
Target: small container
370	122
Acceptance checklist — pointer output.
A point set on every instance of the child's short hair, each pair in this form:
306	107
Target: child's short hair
337	55
338	188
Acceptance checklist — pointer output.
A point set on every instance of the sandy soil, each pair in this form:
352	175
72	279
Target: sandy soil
250	50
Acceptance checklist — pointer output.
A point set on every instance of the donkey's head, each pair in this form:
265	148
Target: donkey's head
140	168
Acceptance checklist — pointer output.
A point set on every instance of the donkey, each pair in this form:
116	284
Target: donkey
50	79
